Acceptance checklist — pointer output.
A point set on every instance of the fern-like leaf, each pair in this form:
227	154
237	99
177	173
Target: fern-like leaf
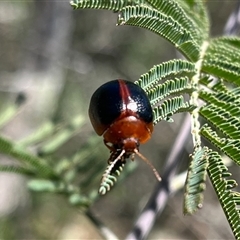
16	151
220	92
17	169
224	98
229	126
230	41
166	70
103	4
153	20
223	112
219	48
176	86
195	183
169	107
230	147
229	199
229	71
109	177
173	9
197	12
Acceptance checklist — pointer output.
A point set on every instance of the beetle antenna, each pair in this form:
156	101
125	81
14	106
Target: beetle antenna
112	165
108	179
150	164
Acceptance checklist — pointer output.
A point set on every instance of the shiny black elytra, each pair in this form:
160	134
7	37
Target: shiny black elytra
120	111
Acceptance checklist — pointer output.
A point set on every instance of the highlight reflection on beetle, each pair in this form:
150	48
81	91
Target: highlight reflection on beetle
121	112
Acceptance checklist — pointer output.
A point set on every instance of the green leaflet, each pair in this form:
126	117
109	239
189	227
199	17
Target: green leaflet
222	59
176	86
153	20
206	81
236	92
230	147
221	88
187	15
42	185
14	150
17	169
190	50
177	75
169	107
170	69
220	49
197	12
106	184
103	4
225	100
229	199
229	126
230	41
173	9
108	178
223	112
229	71
195	183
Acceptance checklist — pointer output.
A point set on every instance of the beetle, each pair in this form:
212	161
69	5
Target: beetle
121	111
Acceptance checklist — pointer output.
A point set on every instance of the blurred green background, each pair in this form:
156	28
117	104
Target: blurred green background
57	57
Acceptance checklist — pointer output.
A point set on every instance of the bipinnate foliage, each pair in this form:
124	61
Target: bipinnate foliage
206	84
210	73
